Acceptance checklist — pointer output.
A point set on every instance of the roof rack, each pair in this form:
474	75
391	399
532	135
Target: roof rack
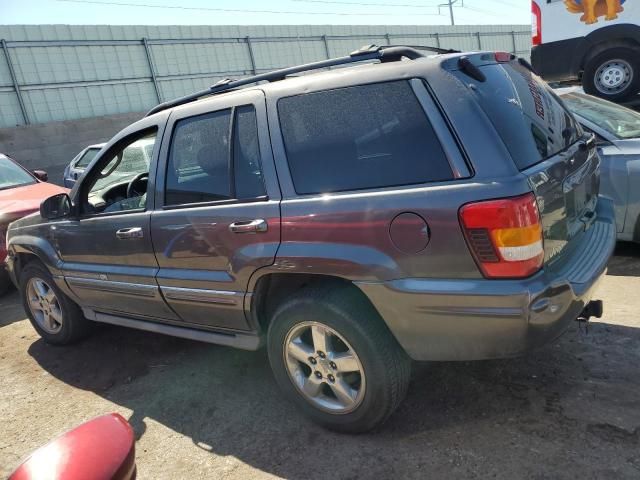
370	52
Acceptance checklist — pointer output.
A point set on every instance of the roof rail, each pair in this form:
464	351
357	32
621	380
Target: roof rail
426	47
369	52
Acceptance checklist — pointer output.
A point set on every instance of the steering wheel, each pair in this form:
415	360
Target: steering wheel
132	183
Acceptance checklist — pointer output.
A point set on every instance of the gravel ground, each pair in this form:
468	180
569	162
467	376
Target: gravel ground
569	410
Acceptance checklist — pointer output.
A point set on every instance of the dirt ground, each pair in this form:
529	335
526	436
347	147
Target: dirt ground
571	410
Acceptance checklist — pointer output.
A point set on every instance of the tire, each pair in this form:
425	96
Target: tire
5	281
66	322
613	74
349	321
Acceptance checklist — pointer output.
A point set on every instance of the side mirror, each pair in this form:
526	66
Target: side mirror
41	175
58	206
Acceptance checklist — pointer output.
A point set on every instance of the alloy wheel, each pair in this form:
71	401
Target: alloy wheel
44	305
324	367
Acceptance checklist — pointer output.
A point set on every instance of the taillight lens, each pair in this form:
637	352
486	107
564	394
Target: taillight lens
536	24
505	236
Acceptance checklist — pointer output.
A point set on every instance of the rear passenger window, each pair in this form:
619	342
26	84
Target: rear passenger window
354	138
246	154
200	168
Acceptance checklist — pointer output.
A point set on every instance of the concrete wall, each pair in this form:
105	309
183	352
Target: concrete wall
65	72
52	145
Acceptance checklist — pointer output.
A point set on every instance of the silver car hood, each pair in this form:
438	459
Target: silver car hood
629	147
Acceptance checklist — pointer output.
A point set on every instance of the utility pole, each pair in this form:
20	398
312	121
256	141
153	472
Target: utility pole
450	5
450	2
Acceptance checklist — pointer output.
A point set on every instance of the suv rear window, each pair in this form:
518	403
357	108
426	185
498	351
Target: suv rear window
529	117
353	138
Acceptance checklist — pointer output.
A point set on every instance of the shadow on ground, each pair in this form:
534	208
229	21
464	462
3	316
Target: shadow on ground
458	418
11	310
626	260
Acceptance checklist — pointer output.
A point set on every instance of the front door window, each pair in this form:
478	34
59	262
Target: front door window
121	185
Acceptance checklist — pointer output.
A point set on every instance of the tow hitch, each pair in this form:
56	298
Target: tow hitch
593	309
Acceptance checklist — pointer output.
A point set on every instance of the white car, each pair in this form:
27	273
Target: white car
81	161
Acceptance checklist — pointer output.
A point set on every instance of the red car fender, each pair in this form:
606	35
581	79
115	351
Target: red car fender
100	449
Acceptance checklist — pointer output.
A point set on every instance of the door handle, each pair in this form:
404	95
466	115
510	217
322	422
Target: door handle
129	233
254	226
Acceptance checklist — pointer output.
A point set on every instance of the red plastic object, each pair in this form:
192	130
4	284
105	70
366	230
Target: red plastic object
101	449
503	57
536	24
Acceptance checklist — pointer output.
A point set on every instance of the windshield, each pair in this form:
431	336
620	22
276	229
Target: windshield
615	119
11	175
86	158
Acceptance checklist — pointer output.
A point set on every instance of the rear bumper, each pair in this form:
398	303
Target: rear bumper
474	319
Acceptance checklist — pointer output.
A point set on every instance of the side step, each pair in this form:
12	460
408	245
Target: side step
241	341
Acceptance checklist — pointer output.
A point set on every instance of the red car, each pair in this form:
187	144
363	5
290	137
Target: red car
21	192
101	449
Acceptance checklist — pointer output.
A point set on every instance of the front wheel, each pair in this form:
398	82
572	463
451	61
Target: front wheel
334	357
613	74
56	318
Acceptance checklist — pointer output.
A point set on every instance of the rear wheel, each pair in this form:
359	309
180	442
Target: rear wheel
334	357
56	318
613	74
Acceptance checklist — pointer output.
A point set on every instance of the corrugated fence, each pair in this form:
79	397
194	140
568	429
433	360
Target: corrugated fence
60	72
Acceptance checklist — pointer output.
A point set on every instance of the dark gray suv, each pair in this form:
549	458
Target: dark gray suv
438	207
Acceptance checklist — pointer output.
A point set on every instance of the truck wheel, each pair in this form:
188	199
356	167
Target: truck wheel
56	318
613	74
334	357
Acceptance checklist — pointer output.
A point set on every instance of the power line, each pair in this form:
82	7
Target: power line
508	4
237	10
403	5
480	10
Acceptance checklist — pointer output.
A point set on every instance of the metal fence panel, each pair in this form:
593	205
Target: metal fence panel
68	72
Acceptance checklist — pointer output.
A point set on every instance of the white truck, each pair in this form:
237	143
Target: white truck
595	41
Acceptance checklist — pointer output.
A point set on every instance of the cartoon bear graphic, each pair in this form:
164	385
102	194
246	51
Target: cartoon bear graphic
592	9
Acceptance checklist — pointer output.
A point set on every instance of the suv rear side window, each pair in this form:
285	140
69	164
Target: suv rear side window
529	117
200	167
368	136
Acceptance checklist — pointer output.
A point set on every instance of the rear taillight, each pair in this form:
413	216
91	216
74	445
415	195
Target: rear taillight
505	236
536	24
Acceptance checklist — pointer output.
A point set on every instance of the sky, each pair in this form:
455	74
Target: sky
257	12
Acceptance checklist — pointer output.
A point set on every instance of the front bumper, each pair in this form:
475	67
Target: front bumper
475	319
